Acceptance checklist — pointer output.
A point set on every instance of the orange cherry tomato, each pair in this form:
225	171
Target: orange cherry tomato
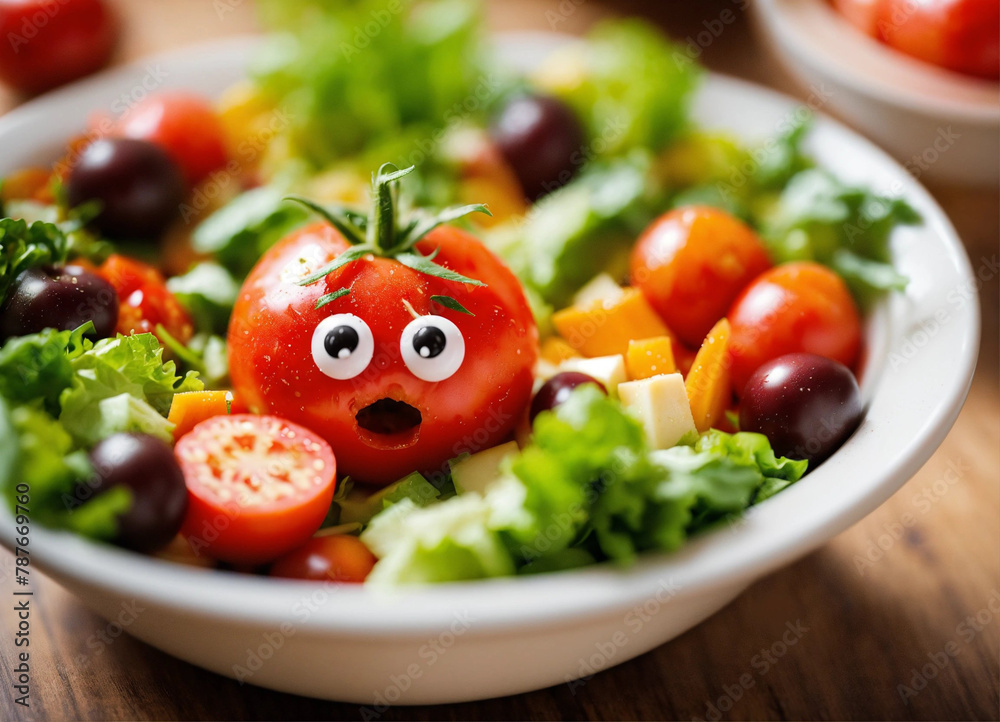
692	263
796	307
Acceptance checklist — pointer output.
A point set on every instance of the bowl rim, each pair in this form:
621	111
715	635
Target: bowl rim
767	538
815	30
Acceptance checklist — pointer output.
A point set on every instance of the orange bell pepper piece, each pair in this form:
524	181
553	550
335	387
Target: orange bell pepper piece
190	408
606	327
708	385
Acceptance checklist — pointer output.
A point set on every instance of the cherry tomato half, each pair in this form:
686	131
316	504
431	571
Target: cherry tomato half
145	300
47	43
691	263
796	307
333	558
258	486
393	380
183	124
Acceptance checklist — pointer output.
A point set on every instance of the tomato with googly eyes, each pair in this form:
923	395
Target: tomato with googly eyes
394	373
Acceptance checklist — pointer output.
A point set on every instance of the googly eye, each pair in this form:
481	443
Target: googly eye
433	348
342	346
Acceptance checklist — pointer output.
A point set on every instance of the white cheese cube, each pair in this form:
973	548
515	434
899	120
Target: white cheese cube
661	404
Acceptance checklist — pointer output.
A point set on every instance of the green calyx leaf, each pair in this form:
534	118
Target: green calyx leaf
382	234
425	264
451	303
323	300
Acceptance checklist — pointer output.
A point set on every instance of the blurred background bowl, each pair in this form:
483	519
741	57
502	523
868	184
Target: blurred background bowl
943	126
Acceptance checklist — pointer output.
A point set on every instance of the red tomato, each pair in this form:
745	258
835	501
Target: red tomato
691	263
183	124
258	486
145	300
48	43
961	35
385	415
796	307
334	558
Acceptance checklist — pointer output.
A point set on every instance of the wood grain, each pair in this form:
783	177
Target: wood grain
864	629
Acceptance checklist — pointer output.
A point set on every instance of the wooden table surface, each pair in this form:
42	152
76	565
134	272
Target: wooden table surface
870	626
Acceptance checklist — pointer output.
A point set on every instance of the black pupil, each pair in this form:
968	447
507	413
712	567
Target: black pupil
341	342
429	342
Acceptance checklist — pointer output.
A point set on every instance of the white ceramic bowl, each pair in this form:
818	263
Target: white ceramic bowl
942	125
477	640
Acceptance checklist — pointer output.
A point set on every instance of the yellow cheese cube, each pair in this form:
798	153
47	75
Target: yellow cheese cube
609	370
649	357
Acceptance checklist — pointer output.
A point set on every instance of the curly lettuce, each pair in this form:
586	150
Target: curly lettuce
588	488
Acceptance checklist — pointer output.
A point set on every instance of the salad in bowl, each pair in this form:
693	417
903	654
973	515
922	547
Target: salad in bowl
392	312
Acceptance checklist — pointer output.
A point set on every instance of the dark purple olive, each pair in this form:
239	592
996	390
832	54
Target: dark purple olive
140	188
148	468
557	389
542	141
806	405
60	298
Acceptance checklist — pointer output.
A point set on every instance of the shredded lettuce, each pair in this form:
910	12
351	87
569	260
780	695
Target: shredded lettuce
587	488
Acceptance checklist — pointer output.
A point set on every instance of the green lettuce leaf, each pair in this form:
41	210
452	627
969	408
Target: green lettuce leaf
39	366
208	292
365	76
36	451
632	92
445	542
581	229
24	246
819	218
587	488
241	231
122	384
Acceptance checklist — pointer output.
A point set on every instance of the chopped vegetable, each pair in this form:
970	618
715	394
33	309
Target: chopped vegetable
606	327
190	408
648	357
708	385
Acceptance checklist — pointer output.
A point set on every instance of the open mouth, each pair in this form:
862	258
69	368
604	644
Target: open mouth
389	424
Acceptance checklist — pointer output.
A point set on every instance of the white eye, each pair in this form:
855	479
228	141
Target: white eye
433	348
342	346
